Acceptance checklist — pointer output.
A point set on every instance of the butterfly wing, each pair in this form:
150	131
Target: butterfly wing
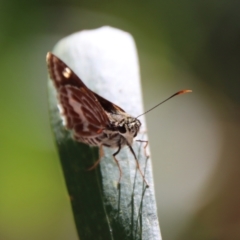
108	106
79	107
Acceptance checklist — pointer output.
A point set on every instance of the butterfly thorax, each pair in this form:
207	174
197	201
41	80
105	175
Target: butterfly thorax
123	129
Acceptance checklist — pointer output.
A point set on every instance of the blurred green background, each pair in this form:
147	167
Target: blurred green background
194	139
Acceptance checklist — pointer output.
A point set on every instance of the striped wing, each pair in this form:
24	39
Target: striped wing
79	107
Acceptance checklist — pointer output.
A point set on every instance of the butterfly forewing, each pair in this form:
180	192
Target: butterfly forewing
82	112
79	107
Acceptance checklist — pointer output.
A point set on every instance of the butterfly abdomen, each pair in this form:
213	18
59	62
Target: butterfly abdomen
111	140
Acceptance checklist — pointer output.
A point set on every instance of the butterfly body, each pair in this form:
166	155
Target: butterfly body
114	135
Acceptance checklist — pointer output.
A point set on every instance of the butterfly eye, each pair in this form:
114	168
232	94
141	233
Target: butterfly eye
122	129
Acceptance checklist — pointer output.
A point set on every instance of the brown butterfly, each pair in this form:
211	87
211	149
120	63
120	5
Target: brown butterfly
92	119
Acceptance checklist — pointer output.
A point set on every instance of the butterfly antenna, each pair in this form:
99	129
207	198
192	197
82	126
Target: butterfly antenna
175	94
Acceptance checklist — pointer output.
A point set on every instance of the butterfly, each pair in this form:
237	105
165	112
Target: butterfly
92	119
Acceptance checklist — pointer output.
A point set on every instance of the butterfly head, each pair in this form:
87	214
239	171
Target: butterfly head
129	128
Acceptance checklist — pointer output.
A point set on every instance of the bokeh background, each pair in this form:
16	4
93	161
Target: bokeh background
194	139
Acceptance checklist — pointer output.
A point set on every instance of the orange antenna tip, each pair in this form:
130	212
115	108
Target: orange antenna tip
184	91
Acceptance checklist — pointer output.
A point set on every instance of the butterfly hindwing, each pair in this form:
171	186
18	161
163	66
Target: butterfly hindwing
107	105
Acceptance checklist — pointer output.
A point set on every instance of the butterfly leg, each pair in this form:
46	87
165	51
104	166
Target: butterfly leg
117	162
137	163
145	147
101	154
